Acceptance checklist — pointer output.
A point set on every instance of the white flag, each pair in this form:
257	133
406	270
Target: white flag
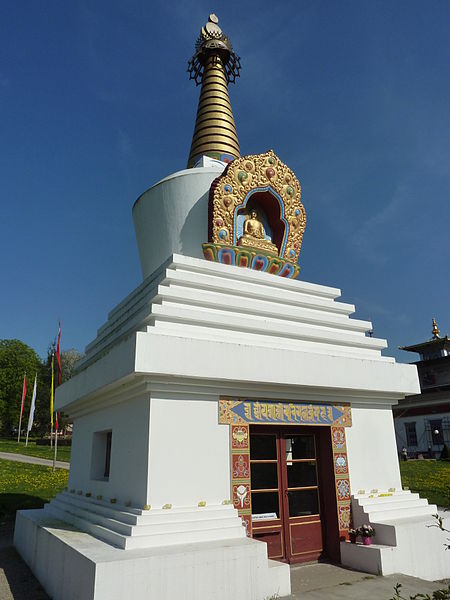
33	403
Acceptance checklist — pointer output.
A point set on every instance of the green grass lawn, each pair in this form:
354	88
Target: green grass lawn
9	445
429	478
27	486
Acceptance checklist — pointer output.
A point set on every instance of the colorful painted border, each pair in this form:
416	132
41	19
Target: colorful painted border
261	412
240	474
341	479
251	258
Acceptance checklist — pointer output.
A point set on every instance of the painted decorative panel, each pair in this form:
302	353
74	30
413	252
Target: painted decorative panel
239	437
236	410
240	474
342	480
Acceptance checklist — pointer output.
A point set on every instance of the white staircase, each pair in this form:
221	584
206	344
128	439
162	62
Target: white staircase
131	528
406	540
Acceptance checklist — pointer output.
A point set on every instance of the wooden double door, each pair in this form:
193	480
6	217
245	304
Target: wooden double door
289	468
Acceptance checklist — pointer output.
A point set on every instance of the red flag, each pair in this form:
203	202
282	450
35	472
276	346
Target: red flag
24	393
58	353
56	420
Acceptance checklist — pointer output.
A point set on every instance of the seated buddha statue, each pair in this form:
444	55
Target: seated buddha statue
254	235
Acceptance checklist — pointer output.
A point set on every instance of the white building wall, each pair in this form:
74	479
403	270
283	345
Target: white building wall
129	423
371	450
189	454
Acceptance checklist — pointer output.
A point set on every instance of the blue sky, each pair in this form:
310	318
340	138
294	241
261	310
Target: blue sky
96	107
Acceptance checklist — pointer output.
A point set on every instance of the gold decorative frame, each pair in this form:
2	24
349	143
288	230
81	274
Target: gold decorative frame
244	176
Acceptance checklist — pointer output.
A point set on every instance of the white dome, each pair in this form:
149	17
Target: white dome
172	217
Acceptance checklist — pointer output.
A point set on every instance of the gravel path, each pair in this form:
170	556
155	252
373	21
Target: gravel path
33	460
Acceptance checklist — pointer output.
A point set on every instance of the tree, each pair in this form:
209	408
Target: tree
16	358
69	358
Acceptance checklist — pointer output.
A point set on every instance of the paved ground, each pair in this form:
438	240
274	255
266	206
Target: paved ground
309	582
34	460
330	582
17	582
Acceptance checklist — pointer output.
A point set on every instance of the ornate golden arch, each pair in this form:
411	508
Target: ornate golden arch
232	190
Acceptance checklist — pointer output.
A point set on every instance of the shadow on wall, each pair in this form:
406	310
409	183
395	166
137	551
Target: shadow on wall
194	232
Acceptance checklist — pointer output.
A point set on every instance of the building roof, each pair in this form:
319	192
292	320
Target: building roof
435	343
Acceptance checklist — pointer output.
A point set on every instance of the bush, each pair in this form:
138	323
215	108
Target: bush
61	442
445	454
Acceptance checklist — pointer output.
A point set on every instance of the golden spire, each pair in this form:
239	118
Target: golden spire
214	65
435	331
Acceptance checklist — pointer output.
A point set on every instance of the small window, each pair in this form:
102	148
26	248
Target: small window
436	432
411	435
108	453
101	455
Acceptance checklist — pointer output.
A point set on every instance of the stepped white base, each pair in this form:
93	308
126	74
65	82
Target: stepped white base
406	541
131	528
71	564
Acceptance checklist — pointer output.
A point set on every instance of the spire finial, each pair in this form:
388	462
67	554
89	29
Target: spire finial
214	65
435	331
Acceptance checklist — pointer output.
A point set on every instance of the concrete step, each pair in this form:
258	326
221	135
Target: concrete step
127	536
370	559
185	537
92	517
209	521
275	573
101	509
145	541
148	517
392	514
398	505
367	501
102	533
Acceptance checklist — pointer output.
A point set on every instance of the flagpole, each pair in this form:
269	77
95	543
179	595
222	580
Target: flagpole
24	392
56	443
51	404
32	407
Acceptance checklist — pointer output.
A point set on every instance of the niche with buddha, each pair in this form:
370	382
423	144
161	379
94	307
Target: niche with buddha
256	218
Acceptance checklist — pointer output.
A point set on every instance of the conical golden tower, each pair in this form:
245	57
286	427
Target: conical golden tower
214	65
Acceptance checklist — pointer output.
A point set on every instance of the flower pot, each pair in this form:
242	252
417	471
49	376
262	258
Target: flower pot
367	541
352	538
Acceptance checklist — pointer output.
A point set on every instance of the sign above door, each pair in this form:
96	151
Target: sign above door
244	410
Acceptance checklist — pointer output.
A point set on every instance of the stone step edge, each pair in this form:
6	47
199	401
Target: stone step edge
381	494
410	503
127	530
390	514
128	542
372	546
140	511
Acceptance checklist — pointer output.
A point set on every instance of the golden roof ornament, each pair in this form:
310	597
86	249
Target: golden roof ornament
435	331
214	65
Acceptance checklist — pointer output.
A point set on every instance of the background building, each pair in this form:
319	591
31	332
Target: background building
422	421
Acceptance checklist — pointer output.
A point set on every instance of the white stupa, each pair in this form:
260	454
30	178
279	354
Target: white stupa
229	418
